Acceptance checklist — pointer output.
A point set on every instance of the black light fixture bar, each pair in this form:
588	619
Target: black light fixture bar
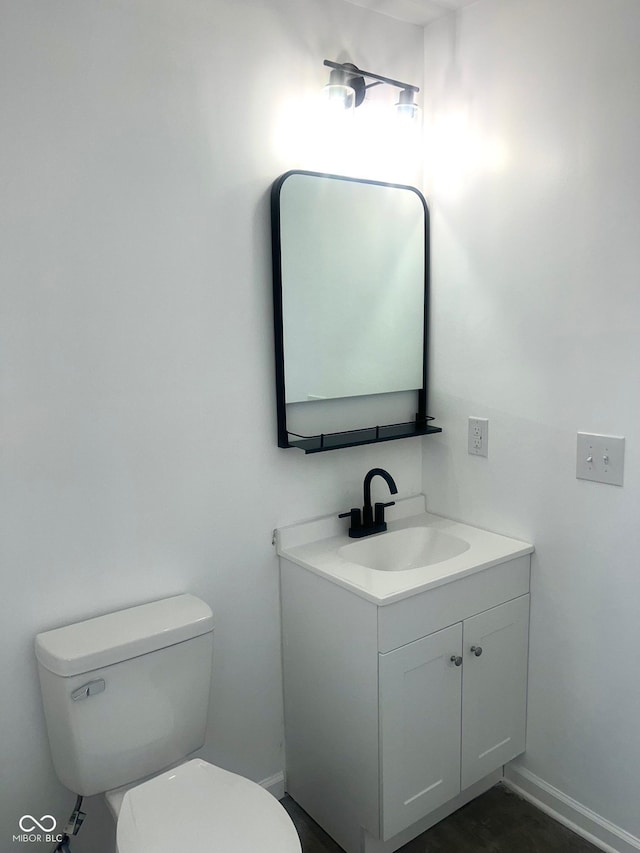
352	70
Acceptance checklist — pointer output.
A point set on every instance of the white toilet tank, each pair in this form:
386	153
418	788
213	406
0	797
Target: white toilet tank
126	694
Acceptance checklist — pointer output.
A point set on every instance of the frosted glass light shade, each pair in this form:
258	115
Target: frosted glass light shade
340	95
408	110
406	106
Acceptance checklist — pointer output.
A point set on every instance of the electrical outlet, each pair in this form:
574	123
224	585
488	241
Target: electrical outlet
478	436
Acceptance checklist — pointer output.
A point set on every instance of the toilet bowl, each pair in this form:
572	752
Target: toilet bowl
200	808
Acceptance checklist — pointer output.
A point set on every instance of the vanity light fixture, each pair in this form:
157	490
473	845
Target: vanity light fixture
347	87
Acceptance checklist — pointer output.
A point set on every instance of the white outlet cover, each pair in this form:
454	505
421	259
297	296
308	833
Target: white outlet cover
600	458
478	436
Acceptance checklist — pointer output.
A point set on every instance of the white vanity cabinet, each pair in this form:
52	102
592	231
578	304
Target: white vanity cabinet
397	714
452	709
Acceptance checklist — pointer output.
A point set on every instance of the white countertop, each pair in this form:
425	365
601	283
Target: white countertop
314	545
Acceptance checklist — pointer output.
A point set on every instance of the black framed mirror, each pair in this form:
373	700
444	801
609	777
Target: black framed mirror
351	294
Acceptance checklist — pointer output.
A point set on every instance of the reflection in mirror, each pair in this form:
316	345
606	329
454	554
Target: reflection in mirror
350	290
353	261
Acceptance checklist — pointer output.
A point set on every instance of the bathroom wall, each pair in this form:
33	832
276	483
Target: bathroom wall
532	173
139	456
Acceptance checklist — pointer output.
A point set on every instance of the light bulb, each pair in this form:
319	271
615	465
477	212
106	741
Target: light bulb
340	96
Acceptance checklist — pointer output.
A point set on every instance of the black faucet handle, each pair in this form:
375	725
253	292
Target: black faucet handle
355	514
379	511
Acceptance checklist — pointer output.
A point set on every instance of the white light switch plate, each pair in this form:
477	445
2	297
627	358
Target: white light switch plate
600	458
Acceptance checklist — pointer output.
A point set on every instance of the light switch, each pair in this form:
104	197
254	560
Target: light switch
600	458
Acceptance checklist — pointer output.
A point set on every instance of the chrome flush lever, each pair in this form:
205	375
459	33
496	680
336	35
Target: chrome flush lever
88	689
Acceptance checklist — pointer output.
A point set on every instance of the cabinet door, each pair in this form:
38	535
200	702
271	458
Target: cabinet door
420	698
494	688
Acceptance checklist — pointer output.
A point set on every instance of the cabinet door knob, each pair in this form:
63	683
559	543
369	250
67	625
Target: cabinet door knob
476	650
456	659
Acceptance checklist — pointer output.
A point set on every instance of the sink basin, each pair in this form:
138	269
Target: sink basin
420	551
399	550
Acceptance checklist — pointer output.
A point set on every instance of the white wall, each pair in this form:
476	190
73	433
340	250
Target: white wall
139	456
533	176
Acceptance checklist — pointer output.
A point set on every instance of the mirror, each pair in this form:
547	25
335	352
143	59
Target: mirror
350	263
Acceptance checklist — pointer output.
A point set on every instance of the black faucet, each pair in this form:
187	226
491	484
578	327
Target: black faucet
370	519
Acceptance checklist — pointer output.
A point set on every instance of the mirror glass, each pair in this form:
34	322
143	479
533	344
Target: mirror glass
352	260
350	272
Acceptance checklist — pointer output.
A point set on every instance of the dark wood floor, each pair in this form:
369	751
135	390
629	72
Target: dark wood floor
497	822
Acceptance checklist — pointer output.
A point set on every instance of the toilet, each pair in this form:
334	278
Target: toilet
126	697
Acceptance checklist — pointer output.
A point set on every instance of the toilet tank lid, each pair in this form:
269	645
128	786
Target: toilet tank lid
115	637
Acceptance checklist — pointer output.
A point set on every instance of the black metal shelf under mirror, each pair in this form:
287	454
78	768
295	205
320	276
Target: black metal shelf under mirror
367	435
351	311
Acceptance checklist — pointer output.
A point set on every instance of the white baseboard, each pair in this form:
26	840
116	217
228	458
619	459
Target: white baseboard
586	823
274	785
